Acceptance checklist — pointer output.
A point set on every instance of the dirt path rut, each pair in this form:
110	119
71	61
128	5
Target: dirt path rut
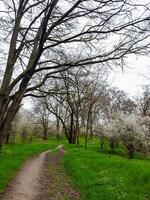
56	182
26	185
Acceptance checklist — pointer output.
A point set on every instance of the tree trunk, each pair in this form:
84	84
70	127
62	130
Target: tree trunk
9	108
45	133
91	126
88	125
77	129
130	151
101	143
7	138
58	129
87	129
78	141
72	139
86	136
24	134
8	135
7	113
91	130
86	139
112	145
72	135
1	144
4	124
130	154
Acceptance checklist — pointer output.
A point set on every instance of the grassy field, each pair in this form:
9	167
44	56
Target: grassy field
96	175
13	156
101	176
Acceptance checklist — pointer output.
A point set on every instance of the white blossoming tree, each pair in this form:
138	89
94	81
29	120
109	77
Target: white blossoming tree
112	132
131	134
128	129
144	122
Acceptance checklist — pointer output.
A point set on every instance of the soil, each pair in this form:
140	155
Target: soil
56	182
26	185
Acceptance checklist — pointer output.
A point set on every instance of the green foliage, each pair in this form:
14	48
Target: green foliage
13	156
103	176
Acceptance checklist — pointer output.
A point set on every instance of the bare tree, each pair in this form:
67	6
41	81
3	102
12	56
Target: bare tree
42	116
40	32
65	102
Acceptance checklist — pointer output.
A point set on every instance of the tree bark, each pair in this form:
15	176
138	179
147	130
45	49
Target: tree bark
72	135
77	129
130	154
8	135
91	124
1	144
58	128
101	143
131	151
86	138
112	145
45	133
7	138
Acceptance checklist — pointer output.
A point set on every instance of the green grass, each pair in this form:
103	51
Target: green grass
13	156
96	175
101	176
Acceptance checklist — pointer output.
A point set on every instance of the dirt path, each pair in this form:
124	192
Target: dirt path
42	178
56	182
26	185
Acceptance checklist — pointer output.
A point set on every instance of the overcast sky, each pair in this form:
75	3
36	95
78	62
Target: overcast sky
131	79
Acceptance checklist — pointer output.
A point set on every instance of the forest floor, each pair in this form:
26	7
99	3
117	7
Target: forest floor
42	178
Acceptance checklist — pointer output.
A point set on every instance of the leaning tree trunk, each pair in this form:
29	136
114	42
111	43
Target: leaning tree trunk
9	108
8	115
4	129
3	111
